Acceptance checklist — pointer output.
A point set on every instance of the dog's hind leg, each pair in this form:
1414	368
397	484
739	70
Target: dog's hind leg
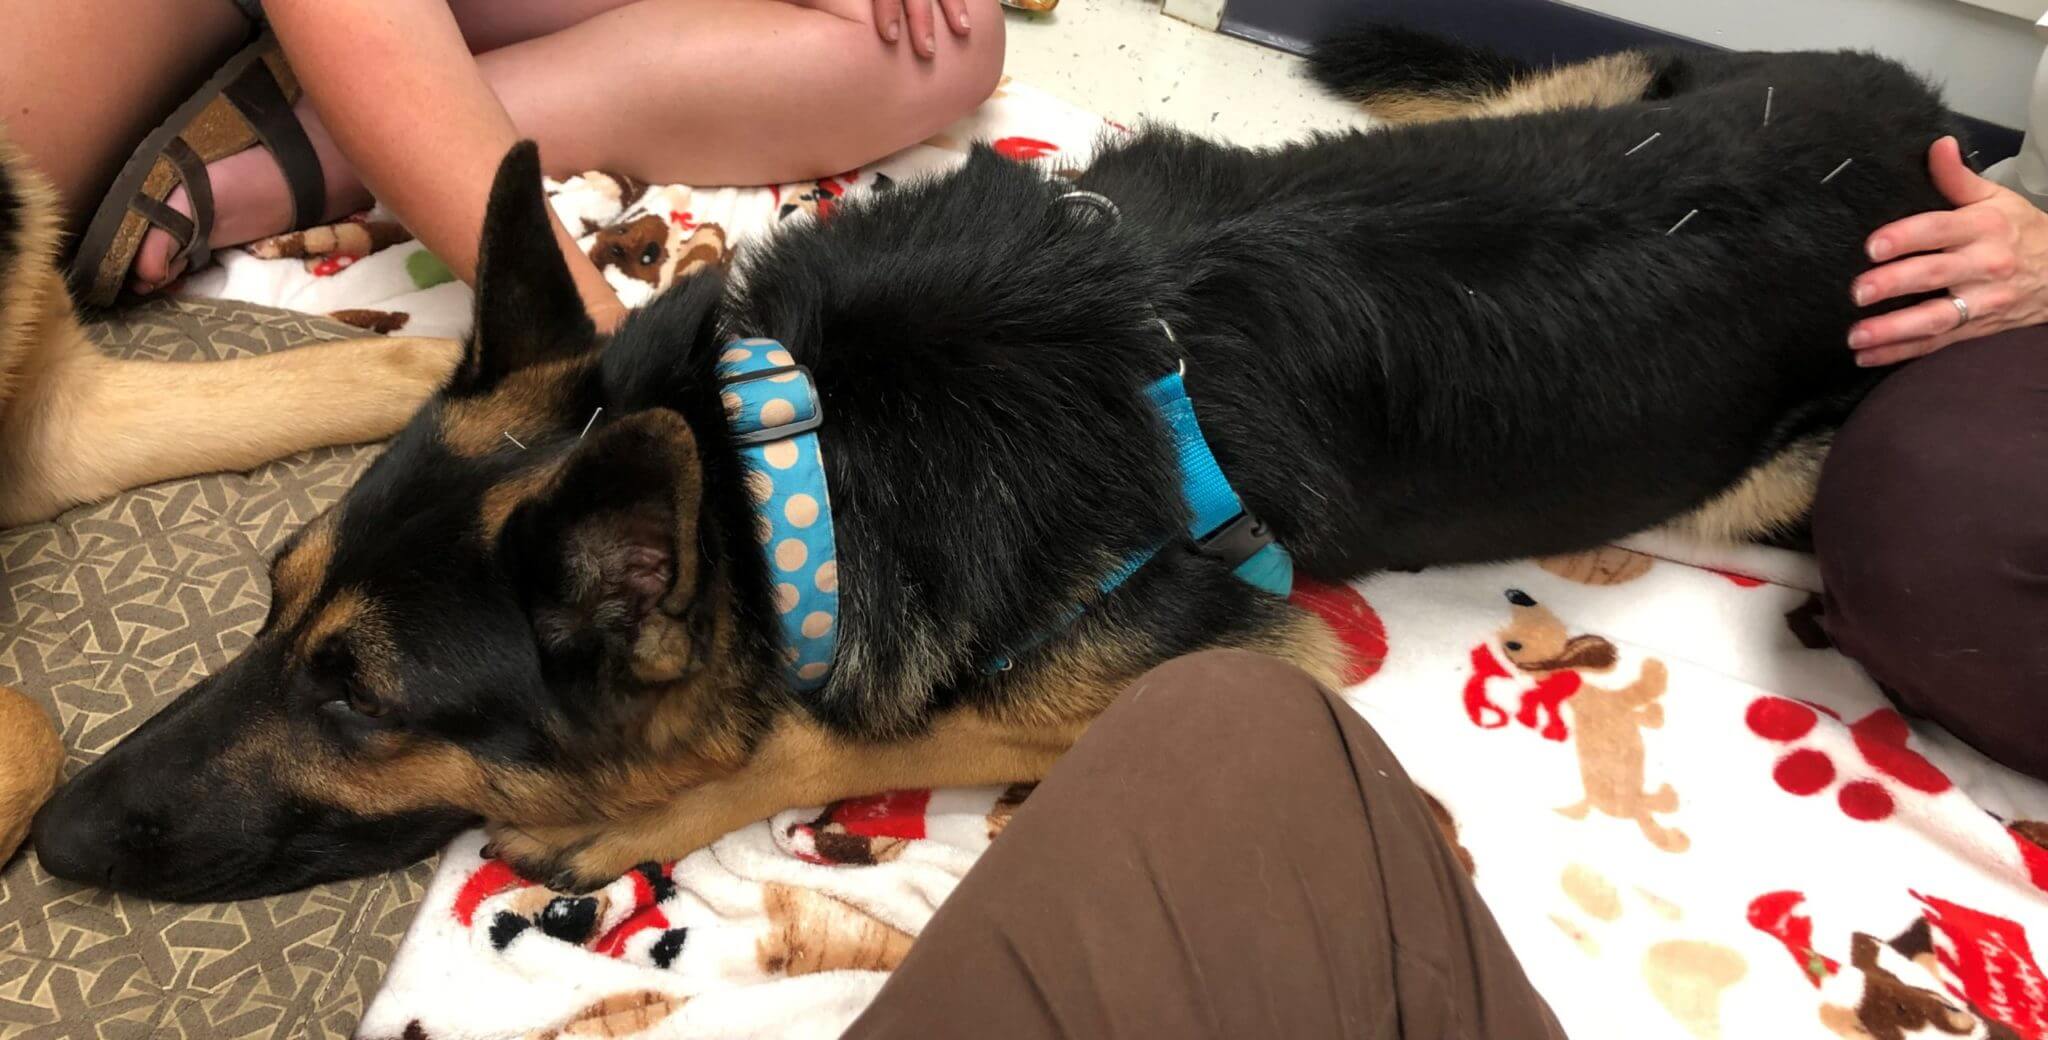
1669	839
1772	499
1400	76
83	426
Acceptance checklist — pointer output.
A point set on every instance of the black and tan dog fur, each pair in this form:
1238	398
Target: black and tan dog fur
77	426
1460	341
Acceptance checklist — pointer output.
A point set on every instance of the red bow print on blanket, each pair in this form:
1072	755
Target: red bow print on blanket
1545	700
1777	915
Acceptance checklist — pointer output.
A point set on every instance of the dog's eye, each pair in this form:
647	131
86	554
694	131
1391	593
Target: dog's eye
336	665
1512	646
649	255
365	703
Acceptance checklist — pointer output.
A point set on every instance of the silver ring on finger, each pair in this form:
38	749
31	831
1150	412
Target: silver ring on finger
1962	310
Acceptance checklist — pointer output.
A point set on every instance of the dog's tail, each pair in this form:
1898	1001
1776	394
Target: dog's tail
1403	76
31	286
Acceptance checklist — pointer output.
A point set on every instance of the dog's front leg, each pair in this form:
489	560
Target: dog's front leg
799	763
85	426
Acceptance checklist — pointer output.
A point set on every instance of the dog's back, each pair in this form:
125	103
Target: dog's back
1529	334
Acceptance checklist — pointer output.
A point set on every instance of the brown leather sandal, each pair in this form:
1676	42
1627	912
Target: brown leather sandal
246	104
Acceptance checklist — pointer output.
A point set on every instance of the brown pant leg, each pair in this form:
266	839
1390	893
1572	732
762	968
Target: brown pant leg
1230	852
1932	530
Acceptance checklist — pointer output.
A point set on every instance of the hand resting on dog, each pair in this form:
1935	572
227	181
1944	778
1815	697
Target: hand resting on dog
1991	251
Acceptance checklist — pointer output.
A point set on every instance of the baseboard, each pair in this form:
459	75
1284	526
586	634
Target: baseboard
1538	31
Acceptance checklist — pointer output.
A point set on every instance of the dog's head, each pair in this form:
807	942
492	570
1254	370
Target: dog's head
1536	641
507	618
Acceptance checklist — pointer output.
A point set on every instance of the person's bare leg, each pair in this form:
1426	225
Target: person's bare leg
82	81
648	88
776	92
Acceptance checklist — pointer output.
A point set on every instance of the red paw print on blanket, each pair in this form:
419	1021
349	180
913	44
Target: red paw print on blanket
1880	738
1357	625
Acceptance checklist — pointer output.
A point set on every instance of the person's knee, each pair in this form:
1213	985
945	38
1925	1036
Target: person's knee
963	75
1228	695
1939	469
981	69
1932	530
904	99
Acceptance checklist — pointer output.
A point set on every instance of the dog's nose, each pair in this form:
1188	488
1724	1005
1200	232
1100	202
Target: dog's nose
73	845
1520	598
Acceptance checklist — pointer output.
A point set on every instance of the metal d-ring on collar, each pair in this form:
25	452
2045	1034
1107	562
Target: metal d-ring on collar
1093	200
1102	205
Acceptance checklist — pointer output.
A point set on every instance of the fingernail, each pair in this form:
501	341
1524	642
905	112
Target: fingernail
1859	339
1866	360
963	21
1880	249
931	44
1862	295
891	32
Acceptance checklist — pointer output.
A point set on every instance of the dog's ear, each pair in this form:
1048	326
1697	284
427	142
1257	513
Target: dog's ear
608	558
527	306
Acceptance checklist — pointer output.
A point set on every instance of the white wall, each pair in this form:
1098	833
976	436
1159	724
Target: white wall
1984	58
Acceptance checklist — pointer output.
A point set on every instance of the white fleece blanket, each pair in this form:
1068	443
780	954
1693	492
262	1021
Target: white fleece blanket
1692	817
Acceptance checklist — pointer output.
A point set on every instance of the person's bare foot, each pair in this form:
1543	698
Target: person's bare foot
250	201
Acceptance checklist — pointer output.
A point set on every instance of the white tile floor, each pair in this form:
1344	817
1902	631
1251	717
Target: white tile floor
1125	60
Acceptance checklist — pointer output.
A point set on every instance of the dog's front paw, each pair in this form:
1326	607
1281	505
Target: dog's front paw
547	856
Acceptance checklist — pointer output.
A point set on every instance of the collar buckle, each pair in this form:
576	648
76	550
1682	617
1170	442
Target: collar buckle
747	430
1241	538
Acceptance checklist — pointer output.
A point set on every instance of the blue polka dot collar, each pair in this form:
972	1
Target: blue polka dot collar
773	407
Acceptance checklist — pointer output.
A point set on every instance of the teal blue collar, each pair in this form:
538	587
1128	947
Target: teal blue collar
1218	523
773	407
774	410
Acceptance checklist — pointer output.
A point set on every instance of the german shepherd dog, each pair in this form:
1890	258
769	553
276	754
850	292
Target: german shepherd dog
77	426
1479	338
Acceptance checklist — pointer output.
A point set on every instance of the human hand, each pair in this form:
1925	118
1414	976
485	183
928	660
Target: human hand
891	14
1990	252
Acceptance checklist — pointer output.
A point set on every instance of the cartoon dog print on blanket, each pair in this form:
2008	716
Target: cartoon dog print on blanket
1609	721
820	197
1889	1008
1953	972
356	237
595	199
641	249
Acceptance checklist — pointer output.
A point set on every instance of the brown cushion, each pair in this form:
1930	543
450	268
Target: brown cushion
106	614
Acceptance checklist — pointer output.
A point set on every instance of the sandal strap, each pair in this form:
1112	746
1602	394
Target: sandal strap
197	247
262	103
175	224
